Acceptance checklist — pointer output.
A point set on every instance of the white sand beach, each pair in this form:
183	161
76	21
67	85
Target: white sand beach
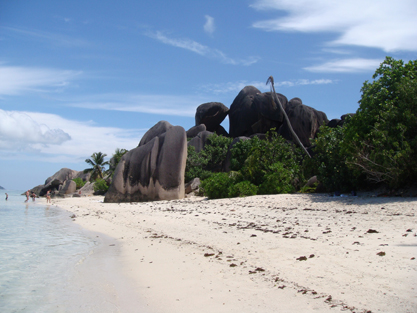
277	253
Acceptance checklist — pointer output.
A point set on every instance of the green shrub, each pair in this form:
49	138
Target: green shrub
240	152
100	185
278	180
242	189
209	160
329	163
217	185
79	182
264	156
381	139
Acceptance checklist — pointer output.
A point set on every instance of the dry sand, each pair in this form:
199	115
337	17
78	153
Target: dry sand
277	253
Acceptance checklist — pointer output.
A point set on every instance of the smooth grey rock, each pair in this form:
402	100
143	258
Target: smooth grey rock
158	129
305	121
192	185
211	114
199	141
152	171
195	130
68	188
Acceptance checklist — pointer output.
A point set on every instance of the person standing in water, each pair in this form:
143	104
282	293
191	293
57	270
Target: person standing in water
7	196
48	196
27	196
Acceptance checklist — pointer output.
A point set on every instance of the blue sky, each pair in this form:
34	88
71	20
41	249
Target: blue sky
77	77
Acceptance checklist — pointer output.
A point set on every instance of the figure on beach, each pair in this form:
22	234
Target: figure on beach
7	196
27	196
33	196
48	196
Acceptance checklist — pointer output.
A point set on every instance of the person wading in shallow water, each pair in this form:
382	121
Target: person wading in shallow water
7	196
27	196
48	196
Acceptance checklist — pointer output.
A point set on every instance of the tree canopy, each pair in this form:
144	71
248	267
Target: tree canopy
98	165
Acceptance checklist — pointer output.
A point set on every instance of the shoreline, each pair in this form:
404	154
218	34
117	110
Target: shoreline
276	253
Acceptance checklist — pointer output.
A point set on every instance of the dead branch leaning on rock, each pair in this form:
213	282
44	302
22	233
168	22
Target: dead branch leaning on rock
271	80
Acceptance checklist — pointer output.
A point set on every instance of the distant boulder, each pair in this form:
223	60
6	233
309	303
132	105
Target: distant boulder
269	114
2	188
55	182
67	188
87	189
211	114
254	112
154	170
199	141
243	113
195	130
305	121
192	185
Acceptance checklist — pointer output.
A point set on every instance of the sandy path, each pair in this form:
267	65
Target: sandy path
278	253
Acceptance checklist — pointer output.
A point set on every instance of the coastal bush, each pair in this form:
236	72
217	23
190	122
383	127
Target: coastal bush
240	152
207	161
381	138
278	179
329	163
268	156
79	182
100	185
217	185
242	189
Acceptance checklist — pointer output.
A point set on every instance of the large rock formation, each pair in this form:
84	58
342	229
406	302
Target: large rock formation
199	141
55	182
242	114
154	170
212	114
305	121
254	112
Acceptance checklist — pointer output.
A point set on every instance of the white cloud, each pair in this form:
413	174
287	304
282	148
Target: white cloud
15	80
152	104
48	37
346	66
384	24
235	87
200	49
85	138
209	25
18	131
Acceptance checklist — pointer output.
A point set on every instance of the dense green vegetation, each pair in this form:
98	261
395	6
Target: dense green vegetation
79	182
377	145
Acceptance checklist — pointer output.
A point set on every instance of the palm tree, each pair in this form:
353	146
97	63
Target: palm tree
274	95
97	162
117	156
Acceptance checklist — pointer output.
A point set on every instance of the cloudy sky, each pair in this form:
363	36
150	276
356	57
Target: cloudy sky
77	77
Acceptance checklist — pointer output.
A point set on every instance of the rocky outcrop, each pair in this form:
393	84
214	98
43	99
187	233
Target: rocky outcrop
199	141
154	170
158	129
55	182
195	130
212	114
305	121
192	185
254	112
242	114
67	188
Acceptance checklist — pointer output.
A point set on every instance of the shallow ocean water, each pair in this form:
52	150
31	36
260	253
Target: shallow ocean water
39	248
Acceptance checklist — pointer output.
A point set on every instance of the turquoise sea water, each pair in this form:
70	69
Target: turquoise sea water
39	246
